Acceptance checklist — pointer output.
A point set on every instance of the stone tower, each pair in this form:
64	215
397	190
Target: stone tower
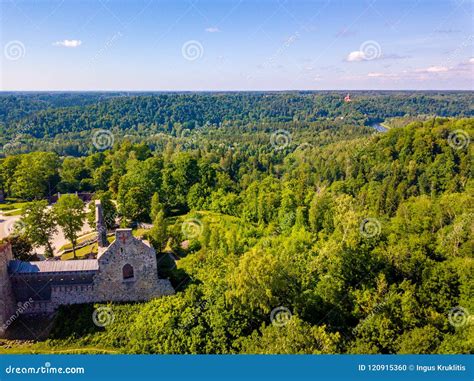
7	299
101	226
128	271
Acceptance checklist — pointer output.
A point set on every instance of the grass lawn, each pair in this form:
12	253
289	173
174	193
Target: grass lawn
16	212
28	347
81	253
79	241
139	232
84	251
92	248
11	204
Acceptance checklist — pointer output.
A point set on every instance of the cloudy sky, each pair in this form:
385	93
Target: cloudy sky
236	45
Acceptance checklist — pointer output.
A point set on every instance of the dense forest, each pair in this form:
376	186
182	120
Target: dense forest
64	122
363	239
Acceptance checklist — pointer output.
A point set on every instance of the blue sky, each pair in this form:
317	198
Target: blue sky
236	45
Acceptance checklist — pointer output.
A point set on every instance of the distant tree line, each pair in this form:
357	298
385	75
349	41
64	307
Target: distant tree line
60	118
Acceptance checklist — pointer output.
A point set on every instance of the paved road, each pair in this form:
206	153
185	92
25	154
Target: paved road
6	224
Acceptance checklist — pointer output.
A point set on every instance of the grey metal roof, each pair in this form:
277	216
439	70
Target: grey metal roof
16	266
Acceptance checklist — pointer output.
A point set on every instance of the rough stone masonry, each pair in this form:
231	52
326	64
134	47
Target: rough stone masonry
124	271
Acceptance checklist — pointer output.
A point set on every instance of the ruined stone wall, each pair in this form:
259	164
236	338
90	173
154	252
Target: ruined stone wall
38	286
141	282
62	295
38	307
72	294
7	299
109	283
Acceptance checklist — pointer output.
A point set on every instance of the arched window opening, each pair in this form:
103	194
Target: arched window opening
127	272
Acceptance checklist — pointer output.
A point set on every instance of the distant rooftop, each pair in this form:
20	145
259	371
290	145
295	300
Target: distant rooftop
20	267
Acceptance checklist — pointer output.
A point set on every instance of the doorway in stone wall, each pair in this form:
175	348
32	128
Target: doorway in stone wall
127	272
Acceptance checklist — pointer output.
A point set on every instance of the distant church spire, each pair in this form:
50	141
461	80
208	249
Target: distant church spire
100	224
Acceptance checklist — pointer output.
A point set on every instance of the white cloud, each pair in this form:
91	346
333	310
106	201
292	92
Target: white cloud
356	56
376	75
212	29
436	69
383	75
471	60
422	74
68	43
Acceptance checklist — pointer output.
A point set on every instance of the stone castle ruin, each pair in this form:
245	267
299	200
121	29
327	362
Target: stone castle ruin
124	271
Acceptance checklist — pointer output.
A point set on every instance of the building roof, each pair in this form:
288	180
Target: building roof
20	267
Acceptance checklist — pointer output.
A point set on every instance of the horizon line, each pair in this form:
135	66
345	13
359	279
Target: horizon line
233	91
